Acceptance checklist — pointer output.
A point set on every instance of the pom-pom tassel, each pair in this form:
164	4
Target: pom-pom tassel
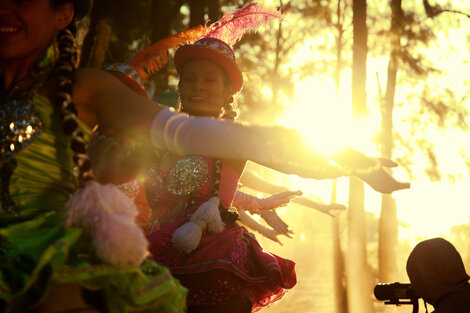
206	217
109	216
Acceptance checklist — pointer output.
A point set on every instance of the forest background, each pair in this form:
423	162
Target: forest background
388	77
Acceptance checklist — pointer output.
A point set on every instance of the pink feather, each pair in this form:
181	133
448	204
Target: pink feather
233	25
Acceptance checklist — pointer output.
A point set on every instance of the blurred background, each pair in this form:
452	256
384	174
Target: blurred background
389	78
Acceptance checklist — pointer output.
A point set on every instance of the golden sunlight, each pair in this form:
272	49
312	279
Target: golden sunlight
429	209
324	121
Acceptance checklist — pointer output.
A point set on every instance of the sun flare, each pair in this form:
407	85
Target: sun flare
319	115
325	118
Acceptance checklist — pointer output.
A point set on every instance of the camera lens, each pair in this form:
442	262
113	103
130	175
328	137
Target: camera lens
394	291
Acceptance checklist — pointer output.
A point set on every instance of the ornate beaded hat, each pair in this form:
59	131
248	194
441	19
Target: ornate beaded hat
216	51
216	43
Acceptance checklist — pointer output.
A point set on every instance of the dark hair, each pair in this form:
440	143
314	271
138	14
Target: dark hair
65	68
56	3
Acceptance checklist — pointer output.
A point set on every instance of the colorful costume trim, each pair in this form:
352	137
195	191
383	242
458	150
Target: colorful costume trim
37	252
225	267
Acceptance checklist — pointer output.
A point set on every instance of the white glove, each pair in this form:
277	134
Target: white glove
255	205
254	225
276	222
276	147
215	137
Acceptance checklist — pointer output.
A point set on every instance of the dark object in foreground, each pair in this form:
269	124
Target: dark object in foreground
397	293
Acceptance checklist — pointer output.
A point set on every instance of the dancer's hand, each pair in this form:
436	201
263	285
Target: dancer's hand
273	220
277	200
382	181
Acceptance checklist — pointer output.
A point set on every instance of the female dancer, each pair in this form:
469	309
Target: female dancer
227	271
46	266
51	266
222	265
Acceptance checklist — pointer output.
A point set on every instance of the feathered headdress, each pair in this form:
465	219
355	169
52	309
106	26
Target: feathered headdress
153	58
230	29
233	25
216	43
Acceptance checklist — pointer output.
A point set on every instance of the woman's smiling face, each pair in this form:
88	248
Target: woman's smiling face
27	27
203	88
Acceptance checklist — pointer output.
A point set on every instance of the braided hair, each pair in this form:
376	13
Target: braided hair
228	111
231	215
65	68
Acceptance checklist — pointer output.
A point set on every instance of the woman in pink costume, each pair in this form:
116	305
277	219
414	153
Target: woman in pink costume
227	271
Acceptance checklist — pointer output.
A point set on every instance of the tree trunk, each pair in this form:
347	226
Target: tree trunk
388	225
163	14
341	303
339	279
277	62
359	287
358	278
213	10
196	12
100	45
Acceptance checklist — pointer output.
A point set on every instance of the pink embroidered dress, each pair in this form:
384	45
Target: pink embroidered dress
226	266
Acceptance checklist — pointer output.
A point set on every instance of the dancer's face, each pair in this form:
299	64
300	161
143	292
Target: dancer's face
27	27
203	88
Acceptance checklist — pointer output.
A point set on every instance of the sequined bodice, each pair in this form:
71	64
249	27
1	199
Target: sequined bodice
186	176
185	186
19	126
166	189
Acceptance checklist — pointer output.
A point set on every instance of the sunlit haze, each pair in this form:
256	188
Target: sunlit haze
428	208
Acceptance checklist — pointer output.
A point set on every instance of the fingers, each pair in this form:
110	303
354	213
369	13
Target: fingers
387	162
288	233
274	238
401	186
288	194
278	199
383	182
279	203
337	206
275	221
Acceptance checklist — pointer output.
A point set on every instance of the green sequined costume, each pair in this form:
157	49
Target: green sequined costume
37	251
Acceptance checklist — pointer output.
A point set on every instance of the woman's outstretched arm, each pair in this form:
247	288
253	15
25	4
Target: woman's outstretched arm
103	99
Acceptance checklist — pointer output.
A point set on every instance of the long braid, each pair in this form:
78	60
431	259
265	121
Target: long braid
231	215
93	200
228	111
65	72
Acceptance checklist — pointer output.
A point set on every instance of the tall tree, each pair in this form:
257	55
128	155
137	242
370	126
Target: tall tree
388	223
266	56
408	32
359	300
200	8
340	291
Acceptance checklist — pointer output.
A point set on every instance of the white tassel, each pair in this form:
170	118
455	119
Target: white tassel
206	217
109	216
209	212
